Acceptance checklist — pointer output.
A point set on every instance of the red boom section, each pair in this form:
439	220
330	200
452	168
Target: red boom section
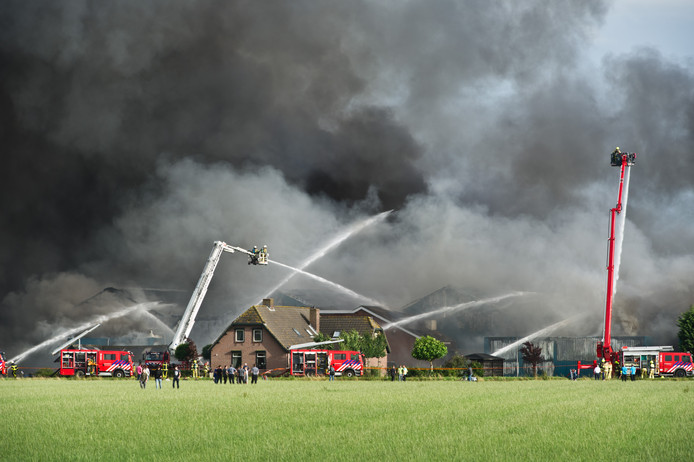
604	348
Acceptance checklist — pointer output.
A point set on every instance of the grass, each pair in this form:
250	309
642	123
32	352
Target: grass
278	420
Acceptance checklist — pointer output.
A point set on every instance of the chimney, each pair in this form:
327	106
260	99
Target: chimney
314	318
269	302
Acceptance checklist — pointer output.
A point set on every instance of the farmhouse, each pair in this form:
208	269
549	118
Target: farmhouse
265	333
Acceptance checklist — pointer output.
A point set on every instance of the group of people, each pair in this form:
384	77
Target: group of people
604	372
157	373
400	372
232	374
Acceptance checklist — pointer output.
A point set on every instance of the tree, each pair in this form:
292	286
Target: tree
207	352
352	341
186	352
374	346
429	349
532	354
321	337
686	334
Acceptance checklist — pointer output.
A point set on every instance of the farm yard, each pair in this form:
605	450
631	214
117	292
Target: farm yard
59	419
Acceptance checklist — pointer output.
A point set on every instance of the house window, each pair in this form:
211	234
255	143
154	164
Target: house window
236	359
260	360
257	335
239	335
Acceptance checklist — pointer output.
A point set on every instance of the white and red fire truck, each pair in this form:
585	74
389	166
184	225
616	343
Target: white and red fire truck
667	362
103	363
307	363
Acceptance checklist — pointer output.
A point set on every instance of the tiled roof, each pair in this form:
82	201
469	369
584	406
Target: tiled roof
330	323
288	324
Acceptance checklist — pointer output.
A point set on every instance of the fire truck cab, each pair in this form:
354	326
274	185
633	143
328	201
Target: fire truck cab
155	359
307	363
667	362
102	363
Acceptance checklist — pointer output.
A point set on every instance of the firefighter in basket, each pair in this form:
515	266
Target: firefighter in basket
254	256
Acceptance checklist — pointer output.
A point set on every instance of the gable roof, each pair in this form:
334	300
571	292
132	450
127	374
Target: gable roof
289	325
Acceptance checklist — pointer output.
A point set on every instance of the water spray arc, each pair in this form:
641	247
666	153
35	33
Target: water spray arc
543	331
461	306
336	241
332	284
97	320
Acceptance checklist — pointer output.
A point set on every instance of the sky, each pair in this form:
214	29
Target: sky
135	135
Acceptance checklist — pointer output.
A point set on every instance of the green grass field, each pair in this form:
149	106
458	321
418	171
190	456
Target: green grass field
104	419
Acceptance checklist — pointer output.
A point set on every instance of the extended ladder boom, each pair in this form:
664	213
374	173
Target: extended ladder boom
188	320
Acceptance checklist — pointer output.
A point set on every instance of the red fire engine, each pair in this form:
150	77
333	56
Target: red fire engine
3	370
666	361
317	362
155	359
103	363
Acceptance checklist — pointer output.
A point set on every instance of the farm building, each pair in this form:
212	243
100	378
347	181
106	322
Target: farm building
559	354
492	366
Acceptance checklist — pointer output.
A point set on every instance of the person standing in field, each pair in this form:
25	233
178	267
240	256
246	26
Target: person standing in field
157	377
254	374
139	370
176	377
144	376
393	373
232	373
404	373
332	373
596	372
633	373
625	372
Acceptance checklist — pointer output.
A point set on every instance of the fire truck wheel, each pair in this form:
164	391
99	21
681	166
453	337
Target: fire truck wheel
349	373
79	374
680	373
118	374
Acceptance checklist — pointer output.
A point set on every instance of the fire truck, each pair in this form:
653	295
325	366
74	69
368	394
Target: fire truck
3	368
667	362
102	363
307	363
155	359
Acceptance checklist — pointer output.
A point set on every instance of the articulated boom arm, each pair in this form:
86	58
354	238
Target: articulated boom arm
188	320
604	348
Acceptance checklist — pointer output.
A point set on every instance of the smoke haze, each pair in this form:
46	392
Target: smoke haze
136	134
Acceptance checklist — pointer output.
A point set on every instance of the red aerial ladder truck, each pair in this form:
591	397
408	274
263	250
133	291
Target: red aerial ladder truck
604	348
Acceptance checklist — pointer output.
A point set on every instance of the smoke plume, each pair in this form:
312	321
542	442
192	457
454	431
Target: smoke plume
136	134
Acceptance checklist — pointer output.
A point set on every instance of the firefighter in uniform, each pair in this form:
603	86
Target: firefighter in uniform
207	370
13	368
608	370
644	370
651	370
165	370
195	369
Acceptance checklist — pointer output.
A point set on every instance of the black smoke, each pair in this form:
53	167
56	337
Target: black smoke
135	134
